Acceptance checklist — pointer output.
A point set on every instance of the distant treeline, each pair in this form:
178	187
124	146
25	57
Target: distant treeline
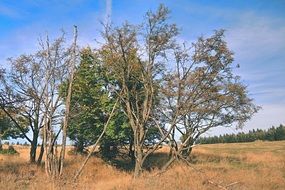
271	134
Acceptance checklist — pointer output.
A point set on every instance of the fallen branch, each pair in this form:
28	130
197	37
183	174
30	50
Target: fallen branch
231	184
96	143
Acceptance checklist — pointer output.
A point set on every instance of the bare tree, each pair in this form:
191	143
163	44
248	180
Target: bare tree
22	93
30	96
135	56
60	62
203	93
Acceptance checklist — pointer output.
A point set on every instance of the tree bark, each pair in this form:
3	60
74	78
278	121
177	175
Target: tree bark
34	145
41	154
138	164
138	154
187	149
131	151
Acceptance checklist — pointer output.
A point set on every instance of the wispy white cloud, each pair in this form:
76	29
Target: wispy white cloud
259	44
25	40
253	37
8	12
18	42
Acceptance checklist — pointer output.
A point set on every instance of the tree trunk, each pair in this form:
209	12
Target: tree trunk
139	157
67	105
138	144
34	144
131	151
79	147
41	154
187	149
170	161
1	145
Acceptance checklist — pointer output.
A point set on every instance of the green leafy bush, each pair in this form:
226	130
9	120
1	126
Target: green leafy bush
10	150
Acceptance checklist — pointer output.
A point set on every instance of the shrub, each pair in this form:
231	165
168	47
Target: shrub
10	150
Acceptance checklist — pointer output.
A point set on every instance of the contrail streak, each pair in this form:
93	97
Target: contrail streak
108	14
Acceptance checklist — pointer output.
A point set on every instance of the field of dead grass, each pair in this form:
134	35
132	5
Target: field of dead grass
258	165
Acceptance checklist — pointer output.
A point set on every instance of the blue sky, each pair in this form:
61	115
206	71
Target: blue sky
255	31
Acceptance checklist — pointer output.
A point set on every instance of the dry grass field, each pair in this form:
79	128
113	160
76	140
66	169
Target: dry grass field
258	165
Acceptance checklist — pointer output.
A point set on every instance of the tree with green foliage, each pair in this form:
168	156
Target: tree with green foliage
8	129
91	101
280	133
271	134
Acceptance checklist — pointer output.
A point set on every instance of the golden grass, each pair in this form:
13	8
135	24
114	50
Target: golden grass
258	165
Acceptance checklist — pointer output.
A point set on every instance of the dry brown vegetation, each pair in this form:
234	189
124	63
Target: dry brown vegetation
258	165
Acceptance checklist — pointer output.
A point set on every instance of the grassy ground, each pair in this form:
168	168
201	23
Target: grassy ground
258	165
